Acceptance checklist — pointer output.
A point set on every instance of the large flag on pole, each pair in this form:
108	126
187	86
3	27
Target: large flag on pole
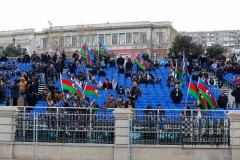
141	62
103	50
70	85
206	93
179	70
193	90
86	52
91	89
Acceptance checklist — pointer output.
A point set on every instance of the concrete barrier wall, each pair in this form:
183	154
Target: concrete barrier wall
48	151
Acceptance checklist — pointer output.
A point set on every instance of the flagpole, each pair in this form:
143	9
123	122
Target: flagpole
187	92
85	87
61	81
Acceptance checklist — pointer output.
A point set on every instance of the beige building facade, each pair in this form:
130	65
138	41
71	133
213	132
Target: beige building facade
126	39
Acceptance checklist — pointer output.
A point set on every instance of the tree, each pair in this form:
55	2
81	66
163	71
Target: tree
184	43
59	40
215	51
12	51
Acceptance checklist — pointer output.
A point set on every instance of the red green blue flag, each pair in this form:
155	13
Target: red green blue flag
206	93
141	62
103	50
91	89
70	85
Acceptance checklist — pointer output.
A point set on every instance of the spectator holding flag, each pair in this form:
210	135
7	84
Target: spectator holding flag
176	95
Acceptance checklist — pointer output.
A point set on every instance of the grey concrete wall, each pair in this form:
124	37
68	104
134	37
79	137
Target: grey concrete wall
48	151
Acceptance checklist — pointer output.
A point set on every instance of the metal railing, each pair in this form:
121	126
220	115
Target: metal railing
186	128
65	127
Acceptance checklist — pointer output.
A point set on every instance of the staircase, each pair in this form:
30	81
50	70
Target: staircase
226	87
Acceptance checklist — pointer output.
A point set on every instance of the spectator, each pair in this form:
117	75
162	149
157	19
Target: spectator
114	84
180	57
102	63
222	100
135	91
223	58
58	68
159	111
234	58
42	96
120	70
129	102
111	102
236	95
129	64
52	96
101	72
149	116
8	67
23	86
14	92
211	81
107	84
173	56
75	100
145	56
190	59
52	108
2	91
150	78
121	91
127	91
128	74
112	63
197	68
93	81
72	67
120	61
3	58
119	102
220	74
51	72
171	81
195	76
75	56
176	95
50	87
26	58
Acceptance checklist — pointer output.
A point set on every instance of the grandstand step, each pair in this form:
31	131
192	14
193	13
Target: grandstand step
41	87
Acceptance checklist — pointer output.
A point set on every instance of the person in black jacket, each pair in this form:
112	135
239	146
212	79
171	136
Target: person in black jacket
236	94
222	100
3	58
120	61
220	74
128	74
26	58
121	90
145	56
63	58
176	95
129	64
190	59
112	63
15	92
101	72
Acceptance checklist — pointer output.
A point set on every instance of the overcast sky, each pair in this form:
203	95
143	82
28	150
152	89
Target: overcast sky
186	15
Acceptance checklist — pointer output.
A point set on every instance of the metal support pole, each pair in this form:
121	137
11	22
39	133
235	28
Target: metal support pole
90	125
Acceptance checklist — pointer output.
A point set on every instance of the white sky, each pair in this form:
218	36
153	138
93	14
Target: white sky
186	15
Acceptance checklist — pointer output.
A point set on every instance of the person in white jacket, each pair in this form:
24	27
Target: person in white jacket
211	81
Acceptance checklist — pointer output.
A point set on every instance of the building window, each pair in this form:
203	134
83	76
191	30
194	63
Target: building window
143	37
128	37
216	34
115	38
226	38
45	43
74	40
61	41
158	38
101	38
208	34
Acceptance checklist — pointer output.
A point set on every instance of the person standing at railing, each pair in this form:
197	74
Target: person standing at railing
149	116
15	92
236	94
176	95
2	91
160	116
